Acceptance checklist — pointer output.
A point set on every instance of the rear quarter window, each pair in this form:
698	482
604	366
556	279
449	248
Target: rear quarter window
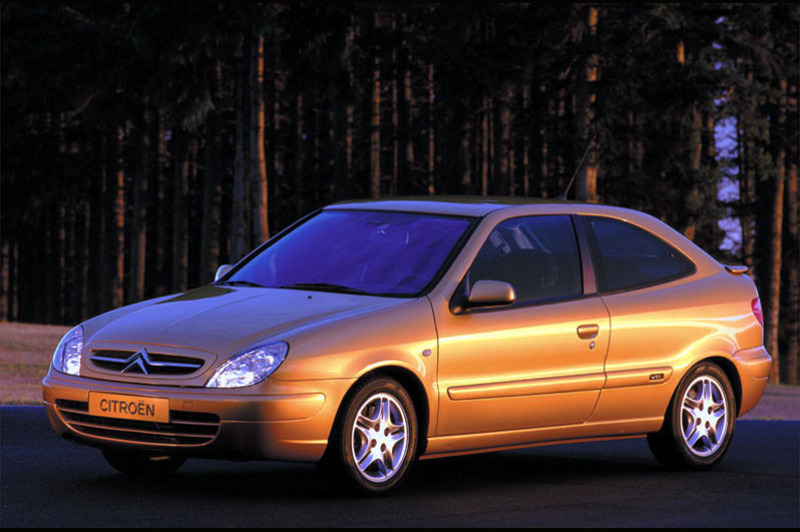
628	257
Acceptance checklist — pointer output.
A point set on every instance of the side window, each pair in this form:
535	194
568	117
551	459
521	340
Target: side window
537	255
627	257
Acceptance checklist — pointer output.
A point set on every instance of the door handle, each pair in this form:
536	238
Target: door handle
588	331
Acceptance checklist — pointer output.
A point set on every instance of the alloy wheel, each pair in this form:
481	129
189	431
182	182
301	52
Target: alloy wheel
379	437
704	416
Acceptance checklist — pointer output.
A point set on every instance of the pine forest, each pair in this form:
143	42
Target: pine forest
143	145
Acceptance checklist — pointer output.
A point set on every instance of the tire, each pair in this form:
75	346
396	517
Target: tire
141	464
699	424
374	440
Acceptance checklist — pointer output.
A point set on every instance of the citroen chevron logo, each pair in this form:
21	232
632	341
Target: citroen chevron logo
138	360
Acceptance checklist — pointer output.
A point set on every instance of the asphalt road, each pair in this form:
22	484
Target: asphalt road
45	481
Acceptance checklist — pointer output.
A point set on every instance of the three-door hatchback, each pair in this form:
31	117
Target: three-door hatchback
371	334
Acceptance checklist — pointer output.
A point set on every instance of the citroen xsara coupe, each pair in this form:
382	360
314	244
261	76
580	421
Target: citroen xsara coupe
372	334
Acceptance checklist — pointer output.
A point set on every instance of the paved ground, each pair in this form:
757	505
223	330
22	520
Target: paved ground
779	403
48	482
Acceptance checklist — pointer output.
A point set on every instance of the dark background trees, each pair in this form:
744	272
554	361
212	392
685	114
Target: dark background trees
144	145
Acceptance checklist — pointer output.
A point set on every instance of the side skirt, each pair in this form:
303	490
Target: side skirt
441	446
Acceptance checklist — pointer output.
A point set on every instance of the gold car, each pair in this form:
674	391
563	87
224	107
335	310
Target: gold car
371	334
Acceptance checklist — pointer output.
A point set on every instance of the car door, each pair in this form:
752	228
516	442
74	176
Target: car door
656	310
537	362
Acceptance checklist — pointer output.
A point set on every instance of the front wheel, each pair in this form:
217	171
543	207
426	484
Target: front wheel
142	464
373	444
699	424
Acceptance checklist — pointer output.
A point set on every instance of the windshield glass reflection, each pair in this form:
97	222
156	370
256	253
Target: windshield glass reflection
377	253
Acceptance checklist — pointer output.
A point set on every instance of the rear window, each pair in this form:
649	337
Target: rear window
627	257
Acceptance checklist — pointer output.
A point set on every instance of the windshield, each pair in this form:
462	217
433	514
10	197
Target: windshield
377	253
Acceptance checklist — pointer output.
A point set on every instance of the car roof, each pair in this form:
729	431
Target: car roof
476	206
499	208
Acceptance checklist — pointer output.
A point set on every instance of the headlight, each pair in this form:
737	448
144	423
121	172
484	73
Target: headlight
67	358
250	367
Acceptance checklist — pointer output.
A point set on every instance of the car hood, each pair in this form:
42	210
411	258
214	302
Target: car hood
226	320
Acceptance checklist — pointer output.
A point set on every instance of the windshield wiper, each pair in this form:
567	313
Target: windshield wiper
241	283
326	287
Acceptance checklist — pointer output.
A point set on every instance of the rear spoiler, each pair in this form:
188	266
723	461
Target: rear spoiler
736	269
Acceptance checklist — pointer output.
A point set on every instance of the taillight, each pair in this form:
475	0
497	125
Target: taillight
756	304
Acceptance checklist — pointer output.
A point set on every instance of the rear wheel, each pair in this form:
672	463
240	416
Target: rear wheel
699	424
374	442
142	464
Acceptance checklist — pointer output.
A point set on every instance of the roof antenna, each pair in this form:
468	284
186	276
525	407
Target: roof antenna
578	169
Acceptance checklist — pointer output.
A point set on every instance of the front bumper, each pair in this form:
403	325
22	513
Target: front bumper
282	421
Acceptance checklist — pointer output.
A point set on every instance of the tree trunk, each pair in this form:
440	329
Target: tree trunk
339	123
350	132
492	187
84	261
69	261
375	131
772	318
159	233
193	149
431	132
503	161
349	129
51	254
97	279
278	154
586	186
180	191
115	229
487	110
395	119
317	127
526	131
5	274
240	164
138	241
210	231
545	111
747	195
258	159
696	156
693	200
466	156
13	281
65	237
10	280
408	128
299	189
708	234
791	306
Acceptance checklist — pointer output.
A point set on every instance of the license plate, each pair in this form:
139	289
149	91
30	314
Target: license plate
129	407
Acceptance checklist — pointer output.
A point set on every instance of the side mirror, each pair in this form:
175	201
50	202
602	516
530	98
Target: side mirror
221	271
487	293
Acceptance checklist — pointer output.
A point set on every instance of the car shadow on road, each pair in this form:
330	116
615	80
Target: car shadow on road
273	480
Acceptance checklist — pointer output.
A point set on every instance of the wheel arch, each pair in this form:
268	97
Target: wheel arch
729	368
412	385
670	444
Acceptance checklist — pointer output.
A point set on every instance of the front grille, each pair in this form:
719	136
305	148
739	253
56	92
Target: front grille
144	363
184	429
